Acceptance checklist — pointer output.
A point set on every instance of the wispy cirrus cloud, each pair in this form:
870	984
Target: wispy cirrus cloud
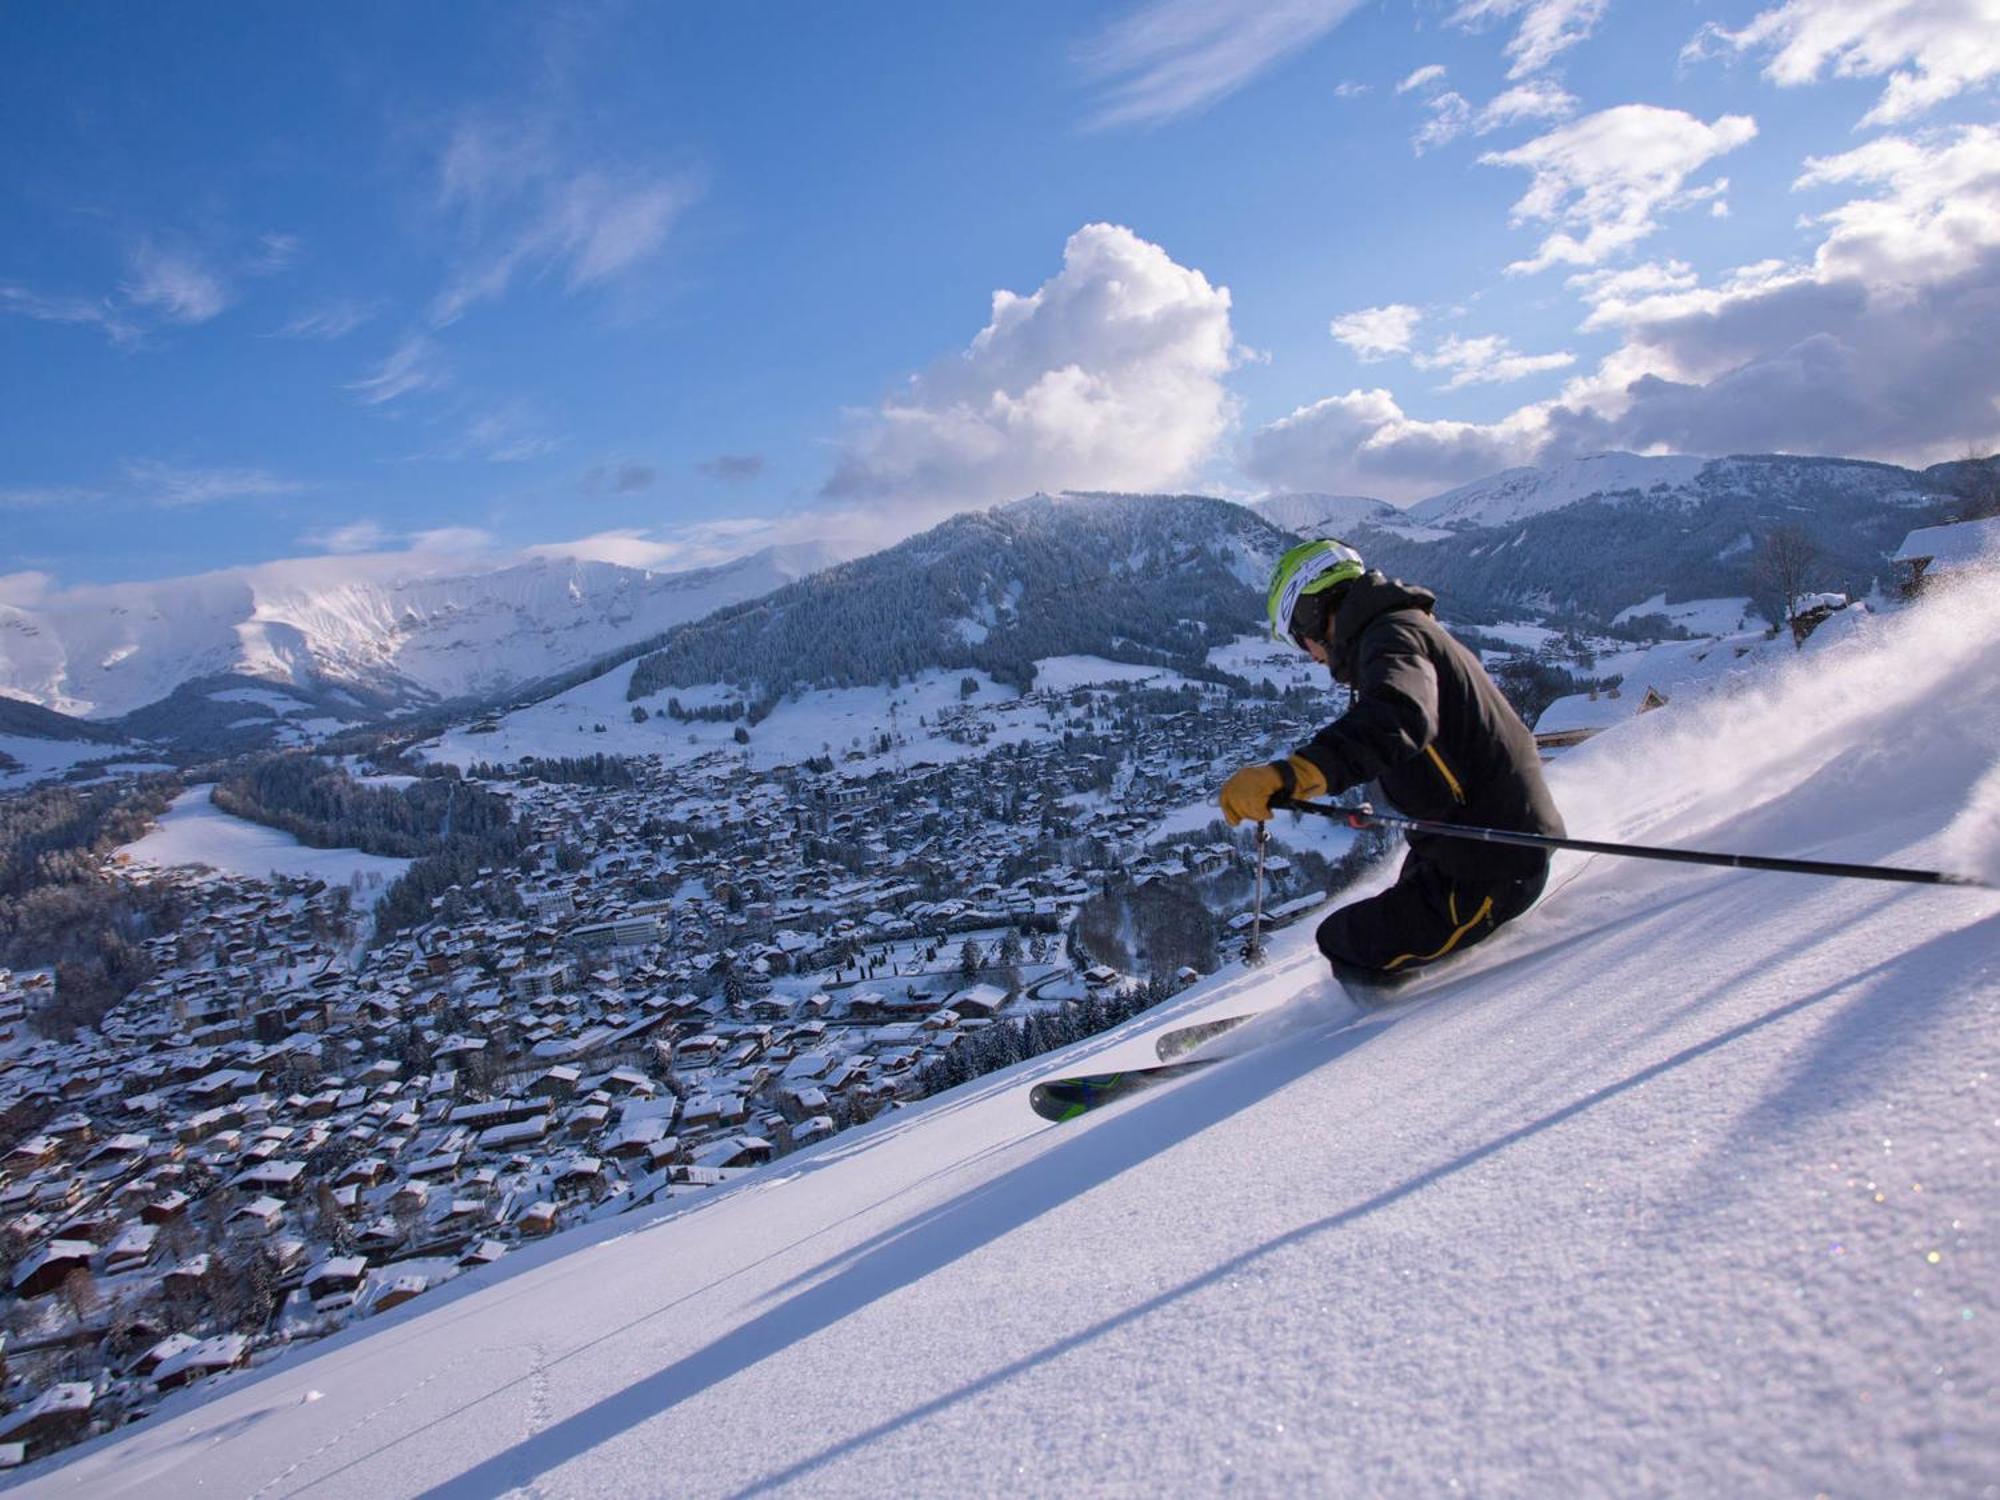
173	487
413	365
1172	57
330	320
1928	50
176	284
528	207
97	312
46	496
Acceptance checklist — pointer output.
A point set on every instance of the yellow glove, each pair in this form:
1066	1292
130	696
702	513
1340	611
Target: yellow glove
1248	793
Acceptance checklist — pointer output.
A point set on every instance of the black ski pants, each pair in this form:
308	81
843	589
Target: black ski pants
1425	916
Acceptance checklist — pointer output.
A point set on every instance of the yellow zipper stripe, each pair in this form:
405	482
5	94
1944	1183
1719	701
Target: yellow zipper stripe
1457	791
1449	943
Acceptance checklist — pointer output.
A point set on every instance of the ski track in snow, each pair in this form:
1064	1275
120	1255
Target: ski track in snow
1683	1185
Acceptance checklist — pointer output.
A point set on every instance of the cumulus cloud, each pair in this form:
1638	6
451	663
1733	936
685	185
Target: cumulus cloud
1170	57
1364	443
1605	179
1108	376
174	487
175	284
1548	27
25	590
1489	360
1879	345
1929	50
1377	332
526	206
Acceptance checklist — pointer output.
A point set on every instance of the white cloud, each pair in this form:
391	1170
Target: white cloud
1451	116
1929	50
1108	376
1879	345
1423	77
527	207
174	487
1169	57
98	312
1537	99
25	590
1377	332
275	253
1489	360
1349	89
179	286
1548	27
333	320
1364	443
354	537
413	365
508	434
1607	177
46	496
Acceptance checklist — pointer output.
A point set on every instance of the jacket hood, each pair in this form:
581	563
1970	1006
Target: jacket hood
1369	597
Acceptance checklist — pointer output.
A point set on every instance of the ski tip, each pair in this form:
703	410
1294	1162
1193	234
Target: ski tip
1051	1105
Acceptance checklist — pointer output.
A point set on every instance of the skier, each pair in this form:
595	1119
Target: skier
1427	723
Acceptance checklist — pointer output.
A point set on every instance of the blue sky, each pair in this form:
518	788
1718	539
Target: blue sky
659	283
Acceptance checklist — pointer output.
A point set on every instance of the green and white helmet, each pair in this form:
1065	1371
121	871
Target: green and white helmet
1309	568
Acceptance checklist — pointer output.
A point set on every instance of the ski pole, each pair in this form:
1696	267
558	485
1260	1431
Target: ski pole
1255	953
1364	814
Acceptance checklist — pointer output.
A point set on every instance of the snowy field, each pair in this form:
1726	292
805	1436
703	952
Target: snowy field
195	832
40	759
1699	616
1684	1185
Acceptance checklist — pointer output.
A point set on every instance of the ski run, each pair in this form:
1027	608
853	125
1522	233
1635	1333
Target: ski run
1686	1184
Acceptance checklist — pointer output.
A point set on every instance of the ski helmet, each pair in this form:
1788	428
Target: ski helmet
1309	568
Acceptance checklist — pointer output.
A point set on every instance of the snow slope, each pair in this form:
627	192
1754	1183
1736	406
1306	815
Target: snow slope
194	831
1515	494
1686	1184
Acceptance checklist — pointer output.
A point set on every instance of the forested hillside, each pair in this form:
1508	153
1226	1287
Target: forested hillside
1150	579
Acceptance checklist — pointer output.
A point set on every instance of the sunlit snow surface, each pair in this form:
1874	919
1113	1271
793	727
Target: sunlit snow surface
1685	1185
194	831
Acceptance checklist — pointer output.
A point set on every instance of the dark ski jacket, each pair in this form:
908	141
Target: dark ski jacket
1430	727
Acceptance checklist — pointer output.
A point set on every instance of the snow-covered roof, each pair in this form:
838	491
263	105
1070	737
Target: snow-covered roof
1962	544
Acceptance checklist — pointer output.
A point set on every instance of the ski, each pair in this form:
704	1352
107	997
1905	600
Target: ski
1066	1098
1185	1039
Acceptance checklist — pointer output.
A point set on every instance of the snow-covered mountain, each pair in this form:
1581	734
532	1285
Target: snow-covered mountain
1324	515
1679	1186
1150	579
1514	495
371	625
1593	538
